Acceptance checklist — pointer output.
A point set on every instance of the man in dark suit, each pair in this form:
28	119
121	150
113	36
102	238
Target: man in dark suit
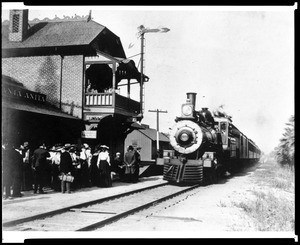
66	167
11	170
39	163
18	173
136	165
119	166
7	170
26	167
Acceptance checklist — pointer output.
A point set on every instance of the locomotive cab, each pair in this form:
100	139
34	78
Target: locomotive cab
223	128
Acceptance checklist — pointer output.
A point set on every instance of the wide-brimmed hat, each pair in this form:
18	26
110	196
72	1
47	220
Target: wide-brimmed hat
72	149
104	146
67	146
57	147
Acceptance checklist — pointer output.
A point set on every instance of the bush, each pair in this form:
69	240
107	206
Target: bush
269	212
272	207
285	151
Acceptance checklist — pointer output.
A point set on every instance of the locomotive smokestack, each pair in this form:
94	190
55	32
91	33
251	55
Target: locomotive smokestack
192	98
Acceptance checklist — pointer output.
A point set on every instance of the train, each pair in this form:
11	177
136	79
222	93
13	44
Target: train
206	146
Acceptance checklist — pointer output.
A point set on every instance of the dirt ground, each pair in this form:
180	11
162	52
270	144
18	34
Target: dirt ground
208	211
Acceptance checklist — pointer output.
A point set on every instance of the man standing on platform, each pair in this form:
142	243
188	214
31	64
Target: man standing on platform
27	173
11	169
39	163
136	166
66	167
119	166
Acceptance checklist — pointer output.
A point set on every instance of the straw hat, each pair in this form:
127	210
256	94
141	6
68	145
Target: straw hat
104	146
67	146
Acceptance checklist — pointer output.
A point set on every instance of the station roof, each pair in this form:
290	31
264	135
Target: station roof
151	133
54	34
38	109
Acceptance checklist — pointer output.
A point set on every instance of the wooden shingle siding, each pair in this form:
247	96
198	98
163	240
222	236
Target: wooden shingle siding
72	85
43	74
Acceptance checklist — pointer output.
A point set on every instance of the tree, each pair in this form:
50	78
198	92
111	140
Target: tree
285	151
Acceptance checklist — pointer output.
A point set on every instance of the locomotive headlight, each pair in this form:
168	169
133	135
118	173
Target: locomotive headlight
184	137
187	110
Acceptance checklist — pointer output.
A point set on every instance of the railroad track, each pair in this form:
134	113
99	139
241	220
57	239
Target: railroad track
96	214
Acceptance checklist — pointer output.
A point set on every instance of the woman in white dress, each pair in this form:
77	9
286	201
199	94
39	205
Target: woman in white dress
103	164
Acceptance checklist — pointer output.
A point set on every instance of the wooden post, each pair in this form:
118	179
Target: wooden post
157	127
128	88
142	75
114	68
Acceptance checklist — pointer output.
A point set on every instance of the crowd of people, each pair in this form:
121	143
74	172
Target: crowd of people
64	168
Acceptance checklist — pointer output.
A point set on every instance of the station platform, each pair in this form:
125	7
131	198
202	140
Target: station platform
31	204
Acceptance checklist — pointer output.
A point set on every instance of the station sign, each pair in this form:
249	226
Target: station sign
94	118
89	134
22	94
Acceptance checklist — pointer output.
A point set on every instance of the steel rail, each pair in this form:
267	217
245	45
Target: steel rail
65	209
134	210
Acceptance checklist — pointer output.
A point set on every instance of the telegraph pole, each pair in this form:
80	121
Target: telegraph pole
142	31
157	126
142	73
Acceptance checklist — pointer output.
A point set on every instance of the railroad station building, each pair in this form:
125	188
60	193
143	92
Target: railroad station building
60	82
146	138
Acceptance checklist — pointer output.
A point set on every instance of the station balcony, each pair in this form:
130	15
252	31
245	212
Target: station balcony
111	103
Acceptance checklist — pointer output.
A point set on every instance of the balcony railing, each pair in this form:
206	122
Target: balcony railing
111	100
99	99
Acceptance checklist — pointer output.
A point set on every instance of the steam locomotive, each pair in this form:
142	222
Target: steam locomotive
206	146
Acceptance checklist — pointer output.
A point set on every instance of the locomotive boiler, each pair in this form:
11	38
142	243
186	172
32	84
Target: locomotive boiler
206	146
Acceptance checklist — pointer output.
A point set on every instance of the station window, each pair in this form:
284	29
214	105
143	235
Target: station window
15	23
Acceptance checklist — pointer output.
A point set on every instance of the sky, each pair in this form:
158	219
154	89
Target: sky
239	57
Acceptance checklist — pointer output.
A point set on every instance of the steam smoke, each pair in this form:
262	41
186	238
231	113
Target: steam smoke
220	112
